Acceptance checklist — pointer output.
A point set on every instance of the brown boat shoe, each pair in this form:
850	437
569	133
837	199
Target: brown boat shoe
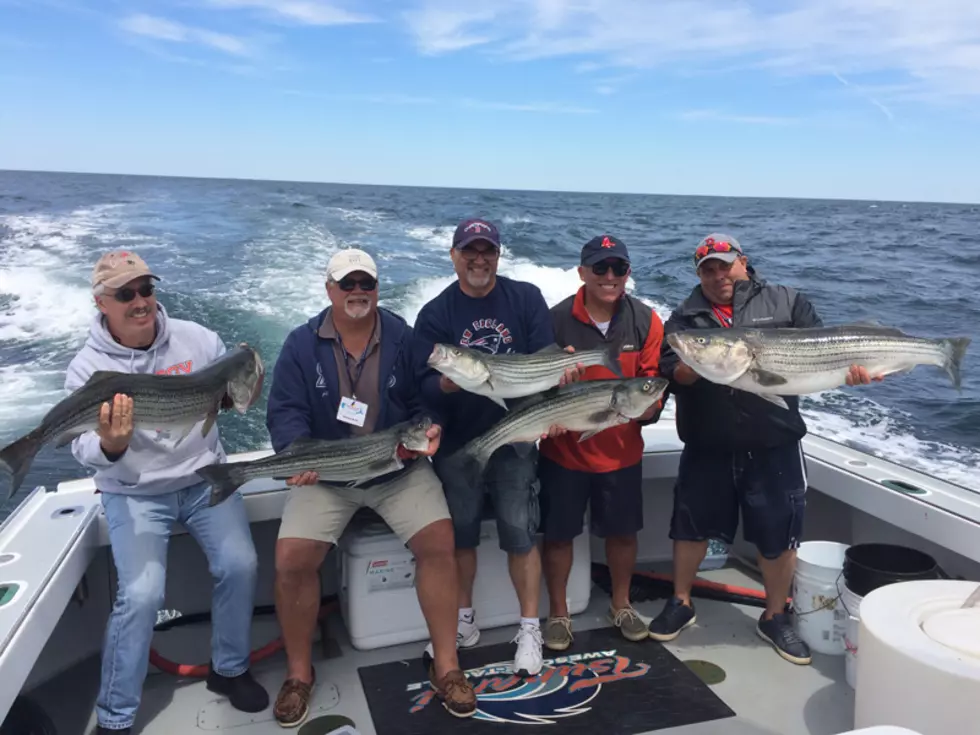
455	692
293	703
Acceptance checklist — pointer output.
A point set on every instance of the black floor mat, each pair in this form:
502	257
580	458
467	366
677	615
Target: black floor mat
603	685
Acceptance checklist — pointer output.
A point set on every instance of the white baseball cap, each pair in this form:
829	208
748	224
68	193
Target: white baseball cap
350	261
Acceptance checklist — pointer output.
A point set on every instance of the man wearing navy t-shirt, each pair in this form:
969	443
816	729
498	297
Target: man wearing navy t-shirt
498	315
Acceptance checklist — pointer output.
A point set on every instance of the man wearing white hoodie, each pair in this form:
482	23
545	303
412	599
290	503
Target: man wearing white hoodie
147	483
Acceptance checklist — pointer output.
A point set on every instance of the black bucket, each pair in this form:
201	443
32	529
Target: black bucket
870	566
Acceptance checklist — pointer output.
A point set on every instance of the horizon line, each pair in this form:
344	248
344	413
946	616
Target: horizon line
486	189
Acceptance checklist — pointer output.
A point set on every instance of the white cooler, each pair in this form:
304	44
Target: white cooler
377	594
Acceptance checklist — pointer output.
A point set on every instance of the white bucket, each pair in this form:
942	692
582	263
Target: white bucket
819	615
852	607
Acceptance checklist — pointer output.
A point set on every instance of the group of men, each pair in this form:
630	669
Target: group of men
356	368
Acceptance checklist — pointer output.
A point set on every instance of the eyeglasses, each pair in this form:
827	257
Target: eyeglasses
714	246
471	253
349	284
126	294
619	268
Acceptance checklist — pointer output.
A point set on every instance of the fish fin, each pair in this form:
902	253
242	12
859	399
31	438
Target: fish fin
384	466
777	400
499	401
955	352
16	459
523	449
69	436
299	443
764	377
611	361
208	423
586	435
181	432
224	477
465	463
515	404
601	417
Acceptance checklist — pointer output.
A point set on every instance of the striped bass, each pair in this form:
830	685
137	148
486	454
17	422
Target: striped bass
349	461
791	362
175	403
587	406
513	375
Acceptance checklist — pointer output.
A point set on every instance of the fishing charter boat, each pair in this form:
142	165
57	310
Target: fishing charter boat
57	587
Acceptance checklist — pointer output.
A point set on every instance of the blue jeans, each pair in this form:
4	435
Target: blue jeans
139	531
512	483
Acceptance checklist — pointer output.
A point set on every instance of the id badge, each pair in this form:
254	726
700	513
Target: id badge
352	411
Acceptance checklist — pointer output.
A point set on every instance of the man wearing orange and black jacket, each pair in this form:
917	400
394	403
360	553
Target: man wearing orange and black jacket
604	472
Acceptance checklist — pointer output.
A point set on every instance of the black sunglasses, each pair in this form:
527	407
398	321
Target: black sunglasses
126	294
619	268
349	284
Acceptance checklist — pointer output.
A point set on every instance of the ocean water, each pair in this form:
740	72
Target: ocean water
247	259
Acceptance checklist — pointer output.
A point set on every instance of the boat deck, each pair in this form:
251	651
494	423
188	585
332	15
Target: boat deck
768	695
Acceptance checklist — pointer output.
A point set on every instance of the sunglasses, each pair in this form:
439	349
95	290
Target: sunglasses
619	268
349	284
126	294
471	253
714	246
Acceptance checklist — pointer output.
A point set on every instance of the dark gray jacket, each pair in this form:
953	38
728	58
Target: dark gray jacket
712	416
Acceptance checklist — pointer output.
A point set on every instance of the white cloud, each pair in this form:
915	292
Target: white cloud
306	12
162	29
933	47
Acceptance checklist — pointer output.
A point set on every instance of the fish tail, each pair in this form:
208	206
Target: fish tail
611	361
468	462
16	459
955	350
224	478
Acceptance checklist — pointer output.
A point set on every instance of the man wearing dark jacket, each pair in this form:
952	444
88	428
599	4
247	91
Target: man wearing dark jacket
740	451
350	371
603	473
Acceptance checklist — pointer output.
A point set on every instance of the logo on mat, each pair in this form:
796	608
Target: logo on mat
564	688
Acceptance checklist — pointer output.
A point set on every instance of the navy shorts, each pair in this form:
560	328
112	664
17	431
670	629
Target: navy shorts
768	485
615	499
511	481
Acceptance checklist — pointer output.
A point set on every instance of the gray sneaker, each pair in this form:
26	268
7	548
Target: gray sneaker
558	633
629	623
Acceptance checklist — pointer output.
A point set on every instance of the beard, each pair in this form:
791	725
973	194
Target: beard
357	308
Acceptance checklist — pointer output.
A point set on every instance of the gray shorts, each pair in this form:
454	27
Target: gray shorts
407	503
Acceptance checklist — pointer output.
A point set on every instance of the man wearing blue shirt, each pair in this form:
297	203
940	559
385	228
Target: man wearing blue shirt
498	315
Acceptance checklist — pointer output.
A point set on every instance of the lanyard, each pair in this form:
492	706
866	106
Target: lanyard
725	320
353	380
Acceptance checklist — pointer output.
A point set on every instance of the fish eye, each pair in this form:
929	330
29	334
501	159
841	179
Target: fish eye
702	340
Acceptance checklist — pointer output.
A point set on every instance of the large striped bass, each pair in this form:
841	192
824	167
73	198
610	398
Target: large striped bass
791	362
513	375
587	406
174	403
350	461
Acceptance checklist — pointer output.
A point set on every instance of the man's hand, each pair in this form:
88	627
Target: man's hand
685	375
554	430
116	424
859	375
572	374
446	385
303	478
434	434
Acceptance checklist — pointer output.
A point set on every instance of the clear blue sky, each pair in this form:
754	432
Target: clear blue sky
876	99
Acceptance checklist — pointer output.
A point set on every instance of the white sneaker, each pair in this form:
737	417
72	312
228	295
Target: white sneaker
467	634
528	660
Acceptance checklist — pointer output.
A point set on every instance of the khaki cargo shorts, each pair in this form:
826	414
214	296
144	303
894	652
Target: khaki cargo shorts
407	503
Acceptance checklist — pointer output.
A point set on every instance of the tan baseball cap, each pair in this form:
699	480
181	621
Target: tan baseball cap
350	261
117	268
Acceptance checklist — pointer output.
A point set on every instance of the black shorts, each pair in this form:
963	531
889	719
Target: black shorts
615	498
769	485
